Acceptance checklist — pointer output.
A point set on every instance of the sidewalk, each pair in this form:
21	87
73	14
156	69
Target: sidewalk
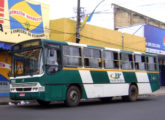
160	92
4	100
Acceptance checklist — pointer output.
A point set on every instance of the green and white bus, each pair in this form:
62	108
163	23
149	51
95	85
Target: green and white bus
49	70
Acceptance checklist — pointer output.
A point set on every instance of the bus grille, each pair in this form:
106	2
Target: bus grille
23	89
24	85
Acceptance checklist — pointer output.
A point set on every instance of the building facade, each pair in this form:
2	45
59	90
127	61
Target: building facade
19	20
64	30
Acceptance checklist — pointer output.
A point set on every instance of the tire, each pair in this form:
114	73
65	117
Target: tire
43	103
133	94
73	96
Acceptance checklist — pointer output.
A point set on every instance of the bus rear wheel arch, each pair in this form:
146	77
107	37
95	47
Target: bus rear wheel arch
73	96
132	93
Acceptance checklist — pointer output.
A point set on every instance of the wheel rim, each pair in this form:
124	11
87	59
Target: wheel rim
74	96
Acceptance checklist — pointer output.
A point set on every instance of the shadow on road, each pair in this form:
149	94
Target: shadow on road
86	103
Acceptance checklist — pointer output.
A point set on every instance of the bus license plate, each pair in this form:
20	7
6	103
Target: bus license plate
22	94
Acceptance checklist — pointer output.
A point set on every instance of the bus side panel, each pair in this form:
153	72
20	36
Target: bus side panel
103	84
143	84
154	81
55	92
58	83
130	77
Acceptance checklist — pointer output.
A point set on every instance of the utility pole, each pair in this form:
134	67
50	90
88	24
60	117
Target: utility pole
78	22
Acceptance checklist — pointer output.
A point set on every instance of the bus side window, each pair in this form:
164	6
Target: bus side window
53	60
92	58
52	57
72	56
127	61
111	60
156	63
151	63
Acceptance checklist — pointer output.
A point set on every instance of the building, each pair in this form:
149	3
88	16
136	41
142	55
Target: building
17	24
64	30
125	17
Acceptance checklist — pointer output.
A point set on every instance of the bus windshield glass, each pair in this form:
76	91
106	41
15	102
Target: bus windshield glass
27	63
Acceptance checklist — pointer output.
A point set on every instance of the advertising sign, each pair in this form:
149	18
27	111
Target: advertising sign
22	20
1	14
155	39
27	18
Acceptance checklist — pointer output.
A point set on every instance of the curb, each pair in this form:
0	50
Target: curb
4	100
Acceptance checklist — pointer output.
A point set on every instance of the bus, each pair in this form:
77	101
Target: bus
49	70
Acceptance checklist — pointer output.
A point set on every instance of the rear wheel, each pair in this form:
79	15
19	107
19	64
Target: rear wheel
73	96
133	94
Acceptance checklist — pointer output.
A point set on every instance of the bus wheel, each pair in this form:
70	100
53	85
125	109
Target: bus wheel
73	96
133	93
43	103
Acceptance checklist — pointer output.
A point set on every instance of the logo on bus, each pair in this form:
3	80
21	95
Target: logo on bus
115	76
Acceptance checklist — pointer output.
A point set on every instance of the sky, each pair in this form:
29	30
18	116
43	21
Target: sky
66	8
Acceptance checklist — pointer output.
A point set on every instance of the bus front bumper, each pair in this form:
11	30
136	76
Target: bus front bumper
27	96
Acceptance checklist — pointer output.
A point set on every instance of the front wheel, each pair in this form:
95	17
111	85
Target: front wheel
73	96
133	94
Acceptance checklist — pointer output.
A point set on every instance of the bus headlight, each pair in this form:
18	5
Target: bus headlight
12	89
41	89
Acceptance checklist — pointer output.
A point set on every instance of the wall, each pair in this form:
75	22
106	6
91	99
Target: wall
64	30
126	17
5	65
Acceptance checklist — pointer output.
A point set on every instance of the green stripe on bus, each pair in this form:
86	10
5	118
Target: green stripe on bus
154	81
100	77
66	77
89	46
129	77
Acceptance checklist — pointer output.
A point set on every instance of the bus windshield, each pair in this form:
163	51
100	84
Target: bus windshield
27	63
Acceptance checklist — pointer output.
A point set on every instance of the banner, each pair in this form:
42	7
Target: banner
28	17
155	39
1	14
22	20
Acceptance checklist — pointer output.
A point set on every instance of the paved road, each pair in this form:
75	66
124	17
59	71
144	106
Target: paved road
148	108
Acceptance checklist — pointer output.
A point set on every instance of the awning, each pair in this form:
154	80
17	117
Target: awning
5	46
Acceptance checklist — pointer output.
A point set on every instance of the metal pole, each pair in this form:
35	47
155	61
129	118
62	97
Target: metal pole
78	22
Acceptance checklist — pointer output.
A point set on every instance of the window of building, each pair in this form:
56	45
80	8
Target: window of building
72	56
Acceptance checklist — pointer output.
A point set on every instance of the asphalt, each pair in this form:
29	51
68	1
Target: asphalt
160	92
